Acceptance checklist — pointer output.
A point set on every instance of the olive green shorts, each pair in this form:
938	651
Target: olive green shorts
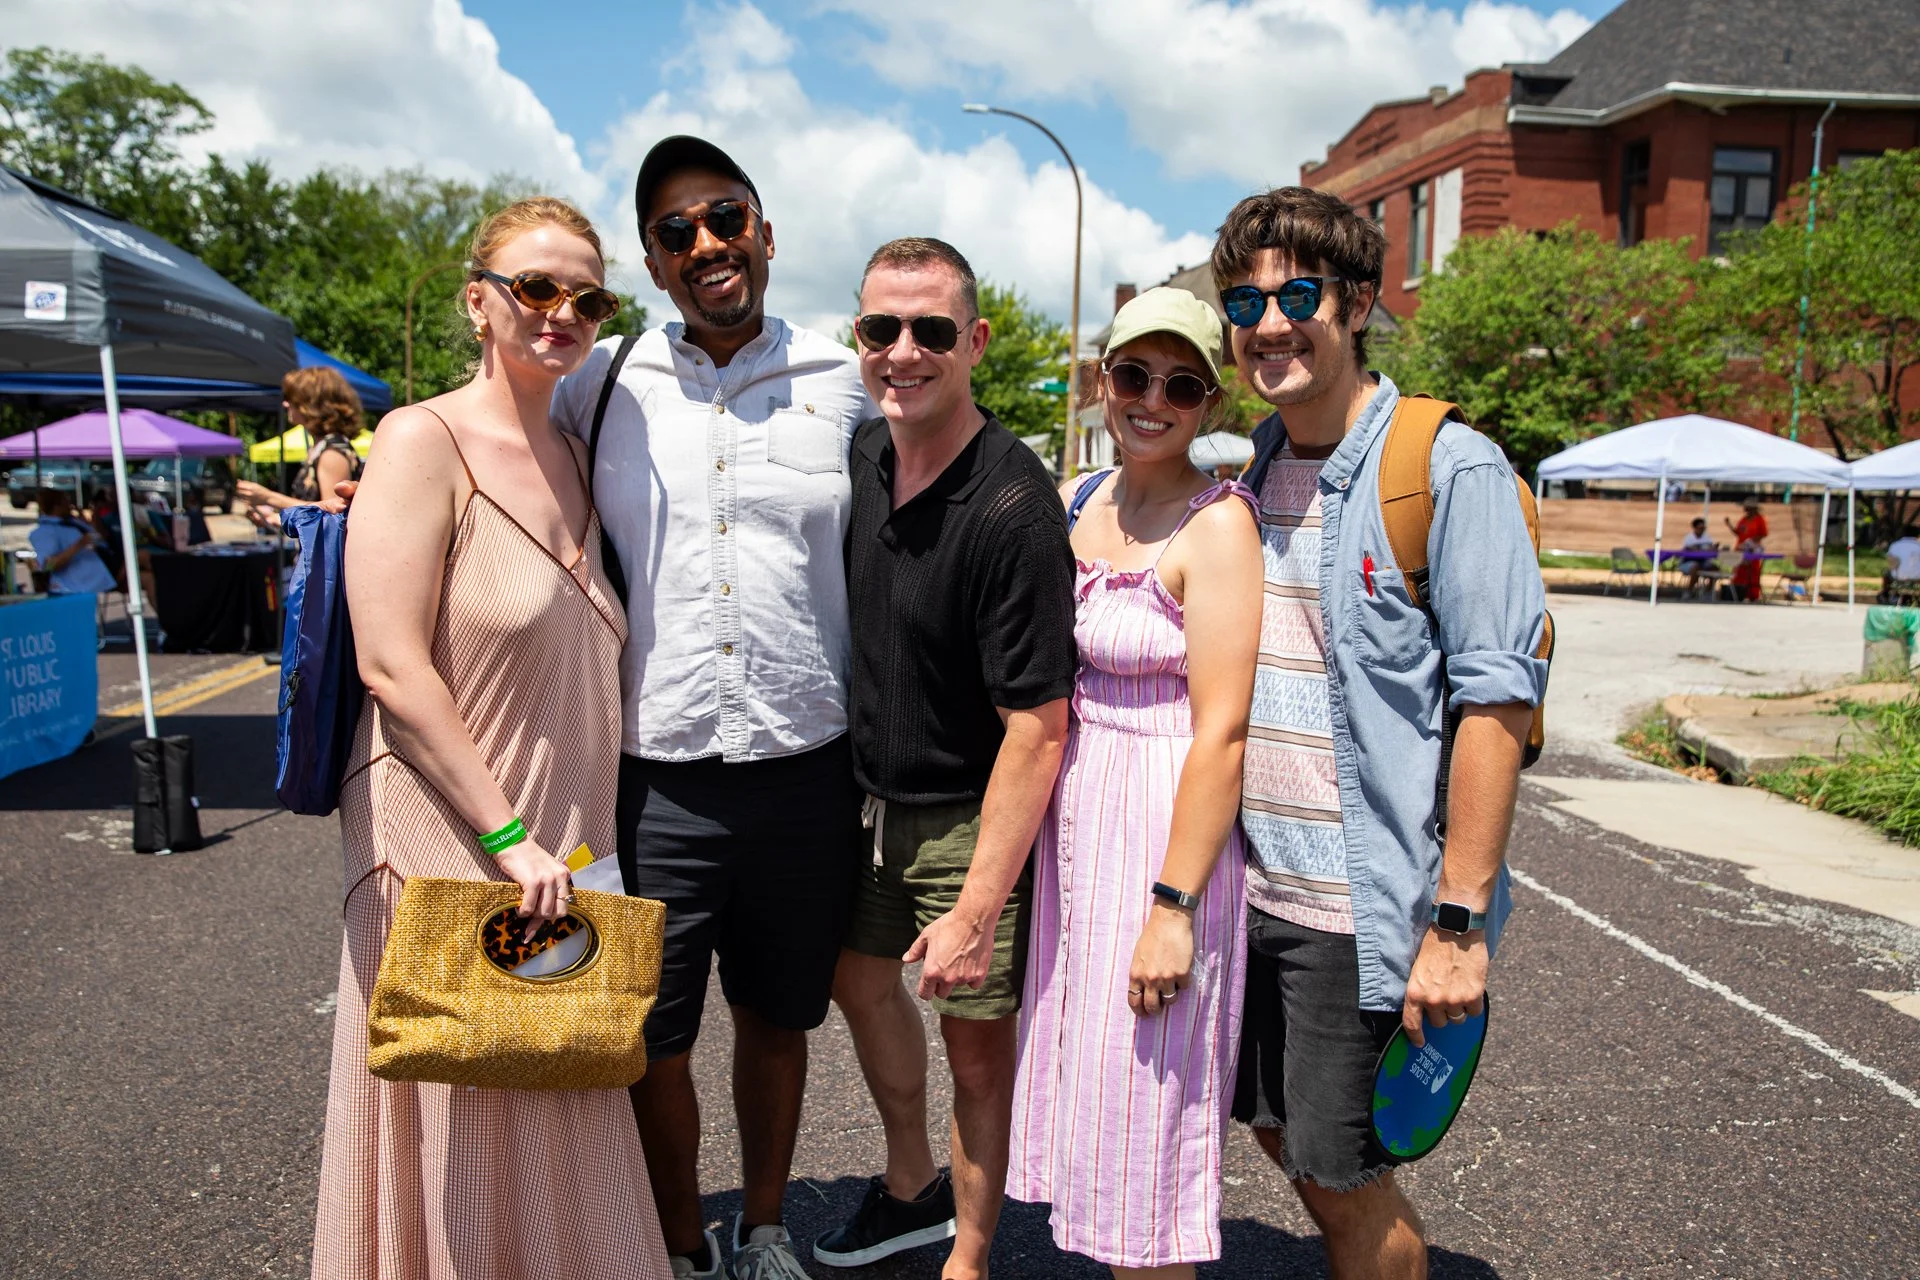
926	851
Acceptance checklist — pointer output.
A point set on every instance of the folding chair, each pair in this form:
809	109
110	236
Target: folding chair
1627	568
1802	573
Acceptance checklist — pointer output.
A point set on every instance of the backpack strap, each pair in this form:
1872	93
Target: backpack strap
1083	495
1406	485
600	407
609	557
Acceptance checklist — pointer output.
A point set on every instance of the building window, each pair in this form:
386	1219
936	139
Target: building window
1377	212
1741	197
1418	220
1848	159
1636	167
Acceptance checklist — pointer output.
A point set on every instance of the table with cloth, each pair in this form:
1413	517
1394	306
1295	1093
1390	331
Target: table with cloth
218	598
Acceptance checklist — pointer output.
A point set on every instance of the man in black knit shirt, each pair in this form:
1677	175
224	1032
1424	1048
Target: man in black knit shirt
960	584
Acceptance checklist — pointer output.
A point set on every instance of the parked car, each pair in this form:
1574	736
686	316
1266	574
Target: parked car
204	482
84	480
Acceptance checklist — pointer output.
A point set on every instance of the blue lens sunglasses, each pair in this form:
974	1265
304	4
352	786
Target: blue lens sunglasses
1246	304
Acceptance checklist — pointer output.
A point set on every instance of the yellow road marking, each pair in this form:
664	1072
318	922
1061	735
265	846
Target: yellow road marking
191	694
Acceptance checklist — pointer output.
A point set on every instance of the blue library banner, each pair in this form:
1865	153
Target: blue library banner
49	680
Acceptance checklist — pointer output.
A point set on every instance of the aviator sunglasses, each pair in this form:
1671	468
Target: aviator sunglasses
936	334
1299	298
724	219
539	291
1184	391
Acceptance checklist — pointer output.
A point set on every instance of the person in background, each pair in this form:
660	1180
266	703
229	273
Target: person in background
488	747
1697	566
960	583
1130	1021
1750	539
320	400
1903	556
68	548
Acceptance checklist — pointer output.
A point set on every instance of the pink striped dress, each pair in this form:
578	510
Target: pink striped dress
1117	1119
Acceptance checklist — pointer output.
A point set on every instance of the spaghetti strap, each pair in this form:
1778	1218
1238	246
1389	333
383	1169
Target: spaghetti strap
471	482
1224	489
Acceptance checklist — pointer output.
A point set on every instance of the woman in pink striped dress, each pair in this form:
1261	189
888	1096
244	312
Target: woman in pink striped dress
1130	1024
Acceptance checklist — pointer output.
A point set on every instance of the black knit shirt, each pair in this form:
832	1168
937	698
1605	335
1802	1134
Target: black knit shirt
962	601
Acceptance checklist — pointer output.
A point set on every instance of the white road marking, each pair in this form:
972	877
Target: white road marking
1721	989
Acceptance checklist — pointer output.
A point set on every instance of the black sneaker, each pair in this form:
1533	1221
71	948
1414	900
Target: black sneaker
884	1226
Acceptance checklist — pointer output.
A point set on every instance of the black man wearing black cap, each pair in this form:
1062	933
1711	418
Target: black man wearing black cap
721	479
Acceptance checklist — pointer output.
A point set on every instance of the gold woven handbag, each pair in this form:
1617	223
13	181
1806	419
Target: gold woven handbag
462	999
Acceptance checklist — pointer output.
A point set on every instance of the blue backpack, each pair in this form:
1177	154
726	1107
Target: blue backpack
320	689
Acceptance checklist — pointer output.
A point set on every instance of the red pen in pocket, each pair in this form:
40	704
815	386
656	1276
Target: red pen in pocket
1366	571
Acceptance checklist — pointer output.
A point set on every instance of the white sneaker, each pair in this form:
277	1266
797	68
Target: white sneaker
683	1267
766	1255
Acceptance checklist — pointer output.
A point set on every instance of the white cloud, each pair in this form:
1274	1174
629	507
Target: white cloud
837	183
363	84
1246	90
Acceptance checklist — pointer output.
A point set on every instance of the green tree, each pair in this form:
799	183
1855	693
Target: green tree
1861	277
1546	338
1026	350
109	134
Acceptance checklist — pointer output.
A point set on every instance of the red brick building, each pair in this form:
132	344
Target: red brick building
1668	118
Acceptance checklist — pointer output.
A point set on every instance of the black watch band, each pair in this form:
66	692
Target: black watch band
1179	899
1452	917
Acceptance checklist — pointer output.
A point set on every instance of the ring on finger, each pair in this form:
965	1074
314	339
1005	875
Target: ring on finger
1456	1017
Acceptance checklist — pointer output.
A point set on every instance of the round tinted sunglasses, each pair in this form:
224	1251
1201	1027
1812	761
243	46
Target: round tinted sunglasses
1184	391
724	220
1246	304
539	291
937	334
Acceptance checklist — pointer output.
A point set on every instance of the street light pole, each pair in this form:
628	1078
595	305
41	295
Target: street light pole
406	339
1071	465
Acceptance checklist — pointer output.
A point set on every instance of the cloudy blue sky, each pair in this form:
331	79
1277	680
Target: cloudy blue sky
845	111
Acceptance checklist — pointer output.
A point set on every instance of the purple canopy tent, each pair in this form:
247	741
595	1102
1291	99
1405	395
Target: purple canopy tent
143	434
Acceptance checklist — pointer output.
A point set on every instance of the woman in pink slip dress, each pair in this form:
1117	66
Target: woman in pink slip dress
490	642
1130	1023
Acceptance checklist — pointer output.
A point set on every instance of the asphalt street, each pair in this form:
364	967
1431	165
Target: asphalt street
1684	1075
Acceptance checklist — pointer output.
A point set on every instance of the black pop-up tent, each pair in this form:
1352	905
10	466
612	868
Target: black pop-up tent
93	291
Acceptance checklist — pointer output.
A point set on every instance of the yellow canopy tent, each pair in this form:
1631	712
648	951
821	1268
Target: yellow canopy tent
296	445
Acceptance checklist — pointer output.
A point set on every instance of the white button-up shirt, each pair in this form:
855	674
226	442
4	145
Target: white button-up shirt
725	492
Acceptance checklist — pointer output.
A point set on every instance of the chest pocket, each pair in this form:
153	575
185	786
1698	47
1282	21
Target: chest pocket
1393	632
810	442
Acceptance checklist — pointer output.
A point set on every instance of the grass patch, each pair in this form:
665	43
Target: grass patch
1652	739
1879	782
1568	560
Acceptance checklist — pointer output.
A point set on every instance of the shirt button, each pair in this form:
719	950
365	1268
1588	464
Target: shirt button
719	464
719	408
727	649
723	526
726	589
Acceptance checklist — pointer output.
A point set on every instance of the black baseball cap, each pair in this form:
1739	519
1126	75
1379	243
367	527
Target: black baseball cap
669	156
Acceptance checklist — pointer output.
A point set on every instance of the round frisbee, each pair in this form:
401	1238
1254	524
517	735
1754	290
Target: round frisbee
1418	1091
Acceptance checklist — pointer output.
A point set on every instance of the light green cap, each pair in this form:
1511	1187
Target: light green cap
1169	310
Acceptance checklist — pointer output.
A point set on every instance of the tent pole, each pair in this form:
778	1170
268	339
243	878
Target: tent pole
1849	548
1706	504
1820	544
136	607
1659	527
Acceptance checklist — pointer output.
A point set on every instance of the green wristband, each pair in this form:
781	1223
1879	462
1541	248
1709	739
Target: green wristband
498	842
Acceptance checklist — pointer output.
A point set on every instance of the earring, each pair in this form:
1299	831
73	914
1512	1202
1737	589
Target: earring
480	332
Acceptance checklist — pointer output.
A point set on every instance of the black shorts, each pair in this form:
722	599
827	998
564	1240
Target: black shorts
754	862
1308	1052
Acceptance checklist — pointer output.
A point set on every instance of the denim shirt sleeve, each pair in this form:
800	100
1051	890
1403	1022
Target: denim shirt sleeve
1485	576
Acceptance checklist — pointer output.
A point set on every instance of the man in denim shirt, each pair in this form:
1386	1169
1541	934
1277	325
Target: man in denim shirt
1359	920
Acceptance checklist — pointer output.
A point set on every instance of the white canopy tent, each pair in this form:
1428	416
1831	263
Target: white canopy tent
1886	471
1694	447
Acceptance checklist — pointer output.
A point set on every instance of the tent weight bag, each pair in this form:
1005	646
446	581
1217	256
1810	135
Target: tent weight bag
166	813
